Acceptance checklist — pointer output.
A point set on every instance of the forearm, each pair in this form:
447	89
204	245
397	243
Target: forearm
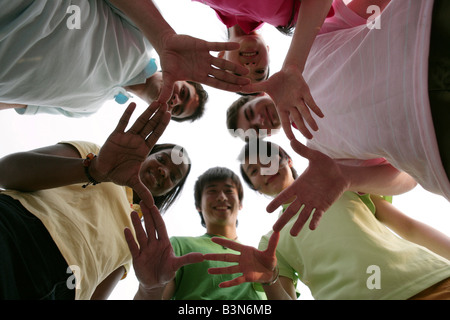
4	106
282	289
311	16
148	19
30	171
381	179
411	229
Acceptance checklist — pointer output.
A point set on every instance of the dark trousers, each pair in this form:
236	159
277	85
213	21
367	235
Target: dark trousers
439	78
31	265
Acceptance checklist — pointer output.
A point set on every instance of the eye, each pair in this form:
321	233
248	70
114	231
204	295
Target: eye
260	71
160	159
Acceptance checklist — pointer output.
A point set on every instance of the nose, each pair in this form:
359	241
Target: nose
174	101
221	196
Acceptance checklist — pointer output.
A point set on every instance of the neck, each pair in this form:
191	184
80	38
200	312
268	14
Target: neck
236	31
148	91
224	231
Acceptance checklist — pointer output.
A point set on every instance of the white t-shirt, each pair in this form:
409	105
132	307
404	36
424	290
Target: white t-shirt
372	86
68	56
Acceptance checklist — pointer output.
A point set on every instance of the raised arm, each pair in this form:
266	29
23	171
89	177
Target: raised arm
411	229
287	87
325	180
183	57
118	161
154	260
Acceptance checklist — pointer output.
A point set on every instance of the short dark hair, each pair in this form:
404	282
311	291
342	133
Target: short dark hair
215	174
163	202
202	99
245	154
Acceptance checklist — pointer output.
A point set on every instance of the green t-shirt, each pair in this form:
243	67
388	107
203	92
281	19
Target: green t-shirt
193	282
351	255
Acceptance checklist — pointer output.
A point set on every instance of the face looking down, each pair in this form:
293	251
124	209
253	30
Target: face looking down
160	172
259	113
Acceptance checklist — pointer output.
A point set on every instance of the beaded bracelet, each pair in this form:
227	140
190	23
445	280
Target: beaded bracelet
86	164
274	280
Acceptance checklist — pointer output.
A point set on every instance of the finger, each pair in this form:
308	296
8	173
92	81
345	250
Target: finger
286	124
309	100
148	222
222	85
190	258
301	149
298	120
228	243
302	114
226	257
166	90
227	65
286	216
225	270
144	194
301	221
235	282
132	245
143	119
158	223
273	242
255	87
141	236
315	219
229	77
222	46
125	118
282	198
159	130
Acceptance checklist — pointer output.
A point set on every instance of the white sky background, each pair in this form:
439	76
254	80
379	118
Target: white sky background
207	142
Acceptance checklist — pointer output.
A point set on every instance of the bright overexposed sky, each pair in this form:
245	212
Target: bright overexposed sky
207	142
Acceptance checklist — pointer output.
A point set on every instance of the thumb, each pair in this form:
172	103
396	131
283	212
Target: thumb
166	91
255	87
301	149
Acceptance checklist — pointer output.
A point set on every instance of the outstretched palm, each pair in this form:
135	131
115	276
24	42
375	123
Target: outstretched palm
120	158
154	260
255	265
187	58
315	190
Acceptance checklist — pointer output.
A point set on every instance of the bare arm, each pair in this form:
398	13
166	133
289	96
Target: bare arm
410	229
104	289
183	57
283	289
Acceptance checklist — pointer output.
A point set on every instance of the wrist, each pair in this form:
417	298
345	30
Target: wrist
90	170
275	275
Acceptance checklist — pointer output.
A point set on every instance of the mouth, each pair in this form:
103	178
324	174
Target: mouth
272	178
222	208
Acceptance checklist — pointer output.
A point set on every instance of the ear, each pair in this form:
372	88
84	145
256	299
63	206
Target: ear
290	163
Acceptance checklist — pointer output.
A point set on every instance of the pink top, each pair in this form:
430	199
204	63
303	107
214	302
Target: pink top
252	14
372	86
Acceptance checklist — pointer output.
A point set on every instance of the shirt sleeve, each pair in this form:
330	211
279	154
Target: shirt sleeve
32	110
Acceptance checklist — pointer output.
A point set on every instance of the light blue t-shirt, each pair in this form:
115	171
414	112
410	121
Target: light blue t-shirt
68	56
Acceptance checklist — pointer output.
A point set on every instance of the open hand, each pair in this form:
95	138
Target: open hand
187	58
292	98
120	158
154	261
255	265
315	190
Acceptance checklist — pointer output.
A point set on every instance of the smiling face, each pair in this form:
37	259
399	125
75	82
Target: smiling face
252	54
220	203
184	100
160	174
273	184
259	113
